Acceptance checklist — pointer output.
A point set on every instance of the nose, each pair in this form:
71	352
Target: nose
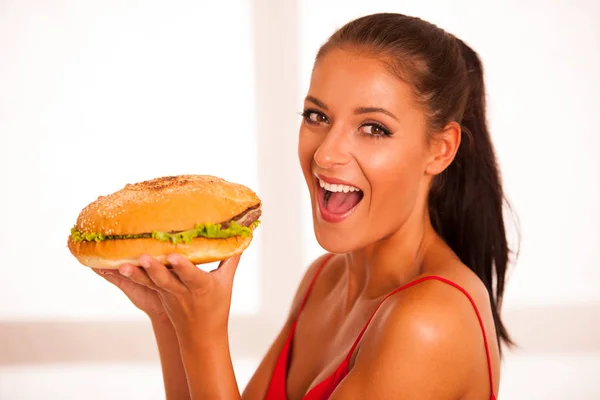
333	150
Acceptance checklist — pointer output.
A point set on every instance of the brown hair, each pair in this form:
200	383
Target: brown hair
466	200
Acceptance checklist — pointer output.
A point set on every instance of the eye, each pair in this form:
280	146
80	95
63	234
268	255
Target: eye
314	117
374	129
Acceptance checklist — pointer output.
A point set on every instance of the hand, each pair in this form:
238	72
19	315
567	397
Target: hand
197	302
141	296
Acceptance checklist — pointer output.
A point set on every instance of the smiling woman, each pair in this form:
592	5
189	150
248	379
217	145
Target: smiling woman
394	149
406	199
96	94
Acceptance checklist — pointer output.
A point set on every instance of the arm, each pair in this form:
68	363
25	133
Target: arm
174	377
421	345
138	287
198	306
191	330
216	368
209	368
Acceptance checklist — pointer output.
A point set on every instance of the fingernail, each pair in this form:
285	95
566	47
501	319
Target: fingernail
172	259
145	262
126	271
107	271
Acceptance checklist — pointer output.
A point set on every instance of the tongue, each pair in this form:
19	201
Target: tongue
340	202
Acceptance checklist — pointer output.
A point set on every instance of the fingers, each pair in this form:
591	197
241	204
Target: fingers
126	271
160	275
184	275
105	272
135	274
111	275
190	275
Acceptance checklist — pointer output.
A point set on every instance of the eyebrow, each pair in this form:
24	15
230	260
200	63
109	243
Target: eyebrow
367	110
359	110
317	102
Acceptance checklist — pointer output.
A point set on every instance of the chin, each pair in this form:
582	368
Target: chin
335	240
334	245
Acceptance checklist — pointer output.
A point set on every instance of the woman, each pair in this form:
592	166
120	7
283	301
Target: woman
406	193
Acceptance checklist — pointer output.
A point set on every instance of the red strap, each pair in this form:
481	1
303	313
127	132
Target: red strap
449	282
312	282
277	387
280	372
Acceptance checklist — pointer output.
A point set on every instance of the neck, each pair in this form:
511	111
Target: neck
390	262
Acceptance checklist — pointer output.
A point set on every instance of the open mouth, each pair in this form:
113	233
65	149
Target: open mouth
337	201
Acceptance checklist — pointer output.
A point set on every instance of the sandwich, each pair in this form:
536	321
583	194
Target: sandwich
204	218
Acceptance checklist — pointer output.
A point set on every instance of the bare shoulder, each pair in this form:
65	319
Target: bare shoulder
429	329
436	312
453	291
447	312
442	306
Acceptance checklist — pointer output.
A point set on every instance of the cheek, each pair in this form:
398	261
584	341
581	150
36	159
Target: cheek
395	175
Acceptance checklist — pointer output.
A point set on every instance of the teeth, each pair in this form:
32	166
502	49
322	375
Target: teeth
337	188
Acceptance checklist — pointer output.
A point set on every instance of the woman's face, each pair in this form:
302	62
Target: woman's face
363	151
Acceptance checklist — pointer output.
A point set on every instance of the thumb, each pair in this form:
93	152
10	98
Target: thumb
227	267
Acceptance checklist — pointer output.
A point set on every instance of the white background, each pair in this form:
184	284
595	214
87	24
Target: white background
96	94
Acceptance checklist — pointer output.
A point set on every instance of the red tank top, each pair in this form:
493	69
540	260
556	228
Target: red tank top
322	391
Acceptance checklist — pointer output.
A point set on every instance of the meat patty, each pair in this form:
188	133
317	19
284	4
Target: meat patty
246	218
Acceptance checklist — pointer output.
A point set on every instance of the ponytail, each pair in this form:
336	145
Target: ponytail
466	200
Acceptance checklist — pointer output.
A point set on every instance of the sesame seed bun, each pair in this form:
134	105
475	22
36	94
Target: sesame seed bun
166	204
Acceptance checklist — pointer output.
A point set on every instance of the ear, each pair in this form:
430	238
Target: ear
442	148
